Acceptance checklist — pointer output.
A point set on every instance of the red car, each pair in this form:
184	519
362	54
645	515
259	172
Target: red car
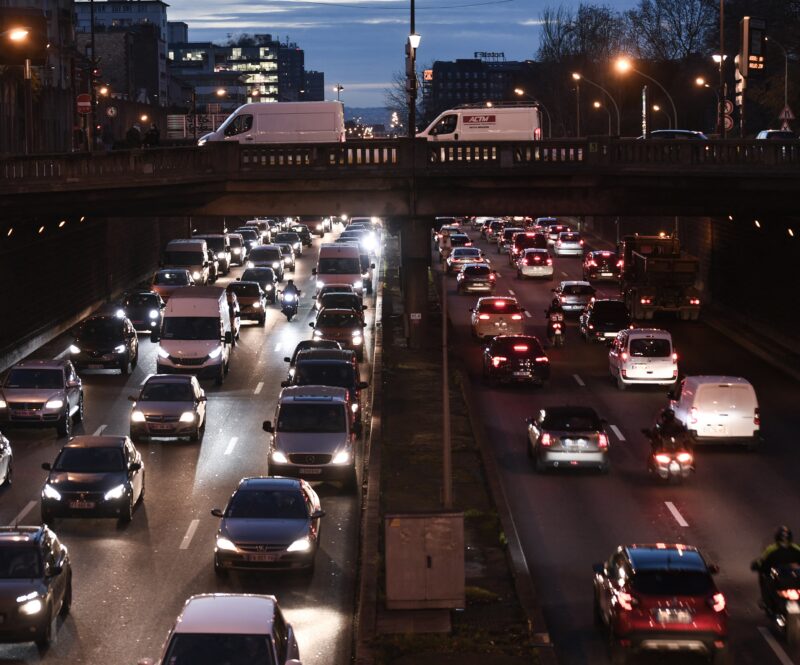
601	264
660	597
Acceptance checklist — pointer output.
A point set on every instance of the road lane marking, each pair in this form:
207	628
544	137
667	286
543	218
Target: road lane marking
21	516
511	292
259	386
777	649
617	433
231	444
578	380
676	514
189	534
99	430
278	346
527	313
564	273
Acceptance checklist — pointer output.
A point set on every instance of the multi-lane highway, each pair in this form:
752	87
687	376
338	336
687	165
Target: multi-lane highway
569	520
131	581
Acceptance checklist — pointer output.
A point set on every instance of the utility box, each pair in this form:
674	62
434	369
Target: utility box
424	560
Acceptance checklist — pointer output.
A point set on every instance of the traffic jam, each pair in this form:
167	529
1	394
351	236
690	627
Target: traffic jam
612	425
198	435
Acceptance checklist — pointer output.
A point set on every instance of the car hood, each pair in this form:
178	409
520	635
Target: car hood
308	442
10	590
266	531
247	301
163	408
332	332
189	348
68	481
32	394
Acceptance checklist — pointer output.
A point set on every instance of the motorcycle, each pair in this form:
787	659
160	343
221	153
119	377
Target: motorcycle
780	588
671	463
289	304
555	328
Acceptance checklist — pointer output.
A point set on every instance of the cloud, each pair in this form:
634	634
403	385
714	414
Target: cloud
531	21
238	24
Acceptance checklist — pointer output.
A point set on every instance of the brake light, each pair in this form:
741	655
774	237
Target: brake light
525	262
537	258
789	594
619	263
591	326
546	439
491	277
674	357
556	326
499	303
542	359
549	262
624	355
693	416
467	244
516	317
520	347
684	458
694	301
558	242
717	602
626	600
606	253
581	243
530	235
645	301
592	264
756	417
498	360
662	459
483	317
602	441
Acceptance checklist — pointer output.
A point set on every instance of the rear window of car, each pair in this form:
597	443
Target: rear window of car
527	347
577	421
603	257
650	348
612	308
530	240
495	226
477	271
508	234
459	239
577	290
672	582
537	254
570	237
466	252
498	307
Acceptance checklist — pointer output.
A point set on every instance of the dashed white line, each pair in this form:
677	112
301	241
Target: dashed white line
527	313
28	507
187	539
99	430
511	292
777	649
676	514
578	380
259	386
231	444
617	433
564	273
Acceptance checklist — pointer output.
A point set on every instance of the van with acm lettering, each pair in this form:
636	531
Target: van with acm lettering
496	123
339	264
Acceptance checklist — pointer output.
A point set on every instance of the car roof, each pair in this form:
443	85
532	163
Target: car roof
269	482
336	310
20	535
610	252
661	556
326	354
649	332
574	282
493	299
715	378
540	250
169	378
312	393
40	364
88	441
227	613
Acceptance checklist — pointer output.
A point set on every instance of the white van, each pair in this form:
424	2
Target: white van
718	409
189	253
497	123
282	122
643	355
195	336
339	264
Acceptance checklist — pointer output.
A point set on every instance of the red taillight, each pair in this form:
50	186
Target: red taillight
558	242
499	303
516	317
602	441
694	301
693	416
789	594
549	262
546	440
662	459
756	417
684	458
525	262
645	301
592	264
483	317
542	359
492	277
467	244
626	600
619	263
581	243
530	235
520	347
606	253
498	360
624	355
556	326
717	602
591	326
674	357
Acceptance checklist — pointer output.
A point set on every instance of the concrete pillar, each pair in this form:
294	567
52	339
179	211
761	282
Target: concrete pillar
415	254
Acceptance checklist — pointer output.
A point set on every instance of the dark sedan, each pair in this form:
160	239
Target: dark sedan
169	405
94	476
271	523
142	308
105	342
603	319
266	279
476	277
252	300
515	359
601	264
304	232
567	436
309	344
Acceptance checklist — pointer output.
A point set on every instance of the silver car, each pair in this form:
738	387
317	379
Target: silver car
6	461
169	405
569	243
567	436
574	295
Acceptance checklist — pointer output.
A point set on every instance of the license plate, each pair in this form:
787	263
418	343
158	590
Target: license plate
25	412
610	334
160	427
525	374
94	366
82	505
262	558
306	471
572	443
673	616
606	274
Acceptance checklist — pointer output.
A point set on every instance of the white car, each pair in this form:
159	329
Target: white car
569	243
552	232
460	256
497	316
535	263
642	356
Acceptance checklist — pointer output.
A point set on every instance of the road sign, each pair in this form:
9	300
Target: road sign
786	114
111	111
727	122
84	103
727	106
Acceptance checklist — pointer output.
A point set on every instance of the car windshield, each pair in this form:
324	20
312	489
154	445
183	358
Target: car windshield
672	582
235	242
337	374
300	230
244	289
248	234
320	418
338	320
268	504
171	278
477	271
101	329
35	378
650	348
140	300
184	258
218	649
260	275
191	327
575	421
466	252
90	460
570	237
339	266
17	563
603	257
341	301
171	391
577	290
265	254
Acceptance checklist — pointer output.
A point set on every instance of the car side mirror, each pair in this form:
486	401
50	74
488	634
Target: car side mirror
287	359
317	514
46	466
134	466
216	512
202	398
313	271
311	325
132	398
599	569
362	384
56	570
73	384
713	568
267	426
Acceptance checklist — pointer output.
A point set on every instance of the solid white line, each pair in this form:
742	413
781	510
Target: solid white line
189	534
617	433
776	648
528	314
565	274
99	430
511	292
231	444
676	514
29	506
578	380
259	386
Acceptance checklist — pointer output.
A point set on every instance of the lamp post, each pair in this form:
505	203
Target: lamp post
521	93
700	82
785	76
20	35
623	66
722	93
92	91
411	76
598	105
338	90
658	109
577	76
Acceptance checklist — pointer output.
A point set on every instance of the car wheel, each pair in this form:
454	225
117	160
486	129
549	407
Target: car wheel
195	435
539	464
141	494
78	417
350	485
66	604
125	366
519	274
219	570
44	637
127	513
262	321
64	426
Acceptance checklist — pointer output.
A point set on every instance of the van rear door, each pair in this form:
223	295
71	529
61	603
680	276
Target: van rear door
726	410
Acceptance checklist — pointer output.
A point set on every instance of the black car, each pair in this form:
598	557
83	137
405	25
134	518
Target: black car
310	371
94	476
35	584
304	232
601	264
142	308
515	358
305	345
291	238
266	280
476	277
603	319
105	342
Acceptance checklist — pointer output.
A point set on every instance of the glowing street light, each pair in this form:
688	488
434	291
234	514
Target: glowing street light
624	65
596	104
577	76
656	108
338	90
18	34
221	92
519	92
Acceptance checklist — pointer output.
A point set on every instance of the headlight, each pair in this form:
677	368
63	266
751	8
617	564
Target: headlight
317	333
256	305
115	493
268	287
287	260
302	545
358	284
276	264
297	245
120	313
250	264
215	353
320	284
288	297
119	349
278	457
162	353
220	255
236	250
137	416
30	607
187	417
3	404
343	218
342	457
226	545
292	371
201	142
357	339
54	404
319	227
51	492
196	274
354	407
153	313
74	349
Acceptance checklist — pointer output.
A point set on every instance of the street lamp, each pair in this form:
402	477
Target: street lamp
624	65
785	77
521	93
598	105
411	75
606	93
657	108
577	78
338	89
221	92
19	35
700	82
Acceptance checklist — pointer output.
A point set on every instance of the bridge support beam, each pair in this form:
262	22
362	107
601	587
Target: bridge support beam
415	255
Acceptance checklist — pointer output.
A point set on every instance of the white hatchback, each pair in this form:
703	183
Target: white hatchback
497	316
535	263
569	243
643	355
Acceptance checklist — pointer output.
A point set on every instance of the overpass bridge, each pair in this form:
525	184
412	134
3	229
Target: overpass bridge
395	178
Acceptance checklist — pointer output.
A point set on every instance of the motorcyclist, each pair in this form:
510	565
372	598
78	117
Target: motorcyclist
669	435
782	552
291	289
554	313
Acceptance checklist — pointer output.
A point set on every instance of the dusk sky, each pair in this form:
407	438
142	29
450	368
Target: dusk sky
359	43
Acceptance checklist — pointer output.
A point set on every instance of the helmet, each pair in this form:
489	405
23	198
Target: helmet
289	282
668	414
783	535
556	302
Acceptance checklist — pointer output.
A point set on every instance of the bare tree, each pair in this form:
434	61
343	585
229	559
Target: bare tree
670	29
597	33
556	34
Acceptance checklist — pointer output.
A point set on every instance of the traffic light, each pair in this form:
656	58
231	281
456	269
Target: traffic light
753	46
